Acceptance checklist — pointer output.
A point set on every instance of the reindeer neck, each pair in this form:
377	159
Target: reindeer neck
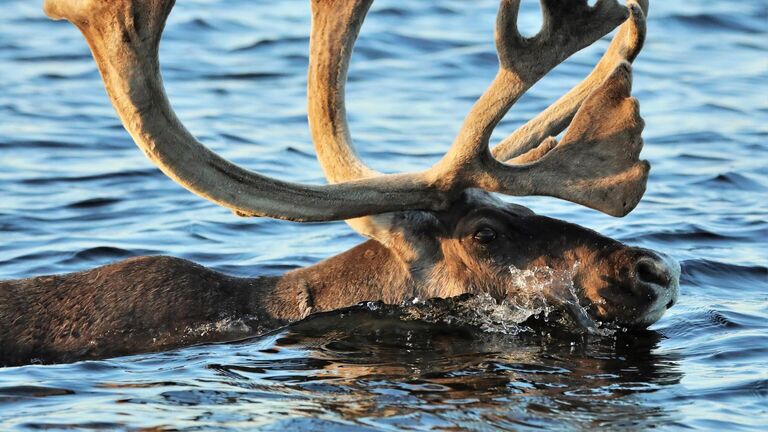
368	271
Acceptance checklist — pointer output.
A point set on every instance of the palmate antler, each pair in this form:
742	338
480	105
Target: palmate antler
596	164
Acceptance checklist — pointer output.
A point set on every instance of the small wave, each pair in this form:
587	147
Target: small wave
392	11
689	233
43	144
73	426
93	203
720	320
715	274
708	136
53	57
265	43
236	138
31	391
126	174
101	252
197	24
418	44
718	22
527	368
245	76
733	179
698	156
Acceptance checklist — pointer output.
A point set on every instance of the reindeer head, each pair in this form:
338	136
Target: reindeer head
443	221
484	245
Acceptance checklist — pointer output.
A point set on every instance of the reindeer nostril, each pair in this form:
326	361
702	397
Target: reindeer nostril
649	271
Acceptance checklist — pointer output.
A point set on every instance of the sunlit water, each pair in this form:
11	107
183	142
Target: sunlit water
76	193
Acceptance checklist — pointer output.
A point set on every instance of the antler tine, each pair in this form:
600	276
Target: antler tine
625	46
569	25
124	37
335	27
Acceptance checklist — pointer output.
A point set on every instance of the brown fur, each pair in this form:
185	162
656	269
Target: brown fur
156	303
137	305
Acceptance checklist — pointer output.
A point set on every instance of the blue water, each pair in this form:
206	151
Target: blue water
76	193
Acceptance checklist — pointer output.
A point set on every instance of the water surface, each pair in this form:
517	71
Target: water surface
76	193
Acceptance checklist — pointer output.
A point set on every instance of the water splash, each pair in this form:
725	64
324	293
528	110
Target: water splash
481	310
225	326
542	290
531	293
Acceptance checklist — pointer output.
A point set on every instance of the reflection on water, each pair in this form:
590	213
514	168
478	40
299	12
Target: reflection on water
365	366
468	377
76	193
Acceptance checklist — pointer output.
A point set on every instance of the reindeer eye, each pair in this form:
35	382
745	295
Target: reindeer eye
485	235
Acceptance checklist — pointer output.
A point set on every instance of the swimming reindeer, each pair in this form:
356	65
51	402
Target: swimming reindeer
435	233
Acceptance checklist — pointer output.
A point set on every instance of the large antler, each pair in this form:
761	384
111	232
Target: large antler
595	164
614	187
600	170
124	36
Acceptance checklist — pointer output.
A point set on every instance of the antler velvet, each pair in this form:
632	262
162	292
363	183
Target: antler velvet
596	164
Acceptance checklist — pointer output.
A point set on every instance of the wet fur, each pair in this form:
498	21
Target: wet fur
158	303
